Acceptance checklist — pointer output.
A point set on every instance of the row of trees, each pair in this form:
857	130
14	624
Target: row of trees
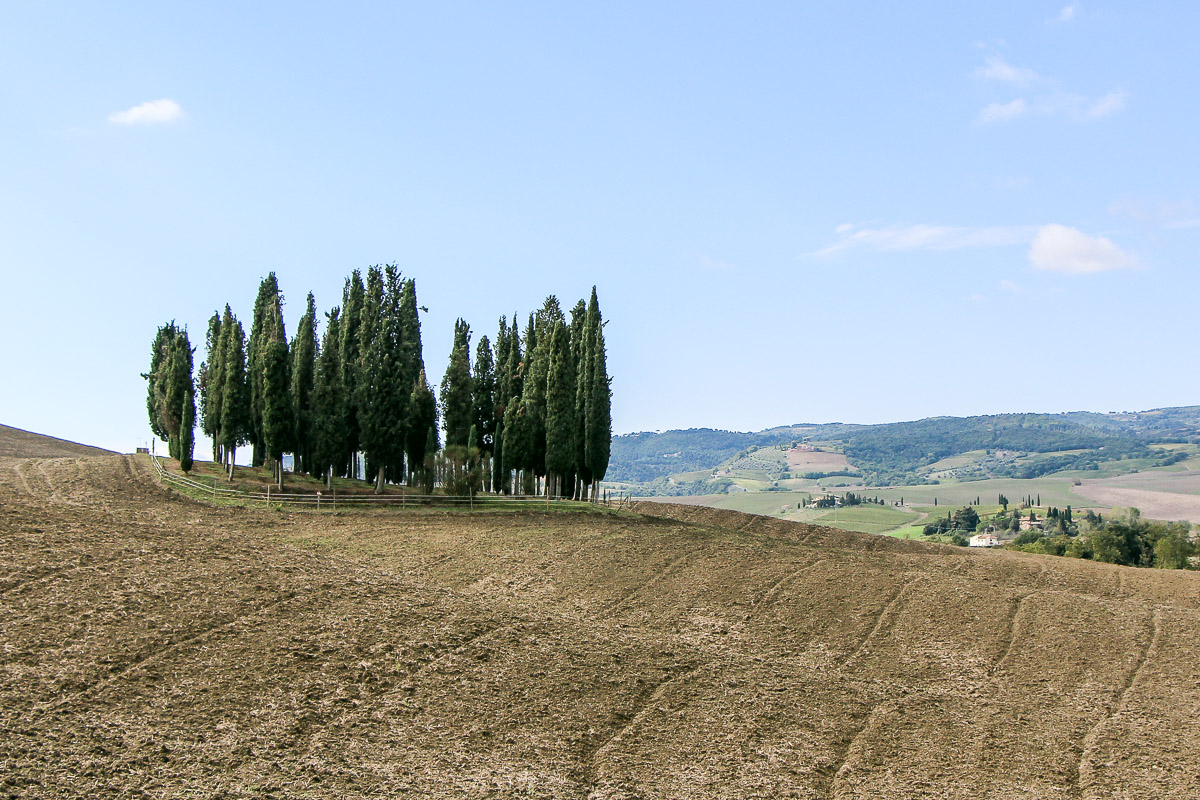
534	414
535	409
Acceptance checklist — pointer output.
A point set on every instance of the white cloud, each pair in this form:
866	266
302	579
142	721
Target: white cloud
998	69
998	112
1109	104
1011	287
1067	14
715	264
925	237
152	112
1058	248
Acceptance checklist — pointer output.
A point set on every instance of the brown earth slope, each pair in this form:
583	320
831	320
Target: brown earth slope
16	443
154	647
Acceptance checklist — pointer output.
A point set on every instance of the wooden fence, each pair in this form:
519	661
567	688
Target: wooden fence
333	500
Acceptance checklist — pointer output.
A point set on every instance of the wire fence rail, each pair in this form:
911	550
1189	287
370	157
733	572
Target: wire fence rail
333	500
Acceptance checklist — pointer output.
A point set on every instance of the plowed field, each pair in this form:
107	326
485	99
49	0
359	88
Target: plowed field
155	647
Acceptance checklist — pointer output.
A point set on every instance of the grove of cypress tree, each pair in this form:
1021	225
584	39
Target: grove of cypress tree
456	396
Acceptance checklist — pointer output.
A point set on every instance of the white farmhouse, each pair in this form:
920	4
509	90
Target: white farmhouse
984	540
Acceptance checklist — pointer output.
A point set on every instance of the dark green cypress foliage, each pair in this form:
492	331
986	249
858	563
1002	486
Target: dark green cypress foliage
412	365
422	432
157	380
456	399
210	386
187	433
519	441
180	391
235	400
561	428
268	296
599	408
353	297
303	368
275	366
328	405
579	375
373	378
483	385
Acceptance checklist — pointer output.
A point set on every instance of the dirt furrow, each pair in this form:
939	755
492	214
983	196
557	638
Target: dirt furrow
158	653
1086	769
884	617
644	709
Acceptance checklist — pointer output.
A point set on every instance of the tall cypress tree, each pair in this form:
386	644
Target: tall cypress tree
274	366
579	360
456	395
561	432
483	388
599	403
180	393
303	368
328	406
187	432
157	380
268	297
422	430
353	297
235	400
210	386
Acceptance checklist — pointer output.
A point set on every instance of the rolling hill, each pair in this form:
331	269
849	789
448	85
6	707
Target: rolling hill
154	646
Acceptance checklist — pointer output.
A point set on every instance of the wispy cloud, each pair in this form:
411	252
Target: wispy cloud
152	112
1067	14
1011	288
997	69
1109	104
999	112
1058	248
715	264
924	237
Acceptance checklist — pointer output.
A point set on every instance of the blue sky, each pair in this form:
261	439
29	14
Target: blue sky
792	213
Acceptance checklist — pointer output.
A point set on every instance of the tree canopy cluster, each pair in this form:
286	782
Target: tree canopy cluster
531	414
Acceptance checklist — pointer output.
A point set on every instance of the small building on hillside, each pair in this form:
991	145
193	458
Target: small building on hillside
984	540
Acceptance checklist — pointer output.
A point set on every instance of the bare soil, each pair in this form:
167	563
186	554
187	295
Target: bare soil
15	442
816	461
155	647
1158	495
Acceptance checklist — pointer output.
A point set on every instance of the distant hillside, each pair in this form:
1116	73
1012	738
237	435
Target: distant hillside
17	443
1007	445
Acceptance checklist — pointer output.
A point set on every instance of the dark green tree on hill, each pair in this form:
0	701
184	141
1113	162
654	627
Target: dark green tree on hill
304	351
456	398
171	391
235	390
210	380
350	357
329	413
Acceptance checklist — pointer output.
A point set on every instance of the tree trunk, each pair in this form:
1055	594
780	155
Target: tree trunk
379	481
232	456
329	478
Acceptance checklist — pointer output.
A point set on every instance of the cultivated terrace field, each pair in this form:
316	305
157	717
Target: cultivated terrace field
153	646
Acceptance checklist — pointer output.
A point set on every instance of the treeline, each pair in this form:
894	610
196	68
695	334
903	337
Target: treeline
532	414
1125	538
